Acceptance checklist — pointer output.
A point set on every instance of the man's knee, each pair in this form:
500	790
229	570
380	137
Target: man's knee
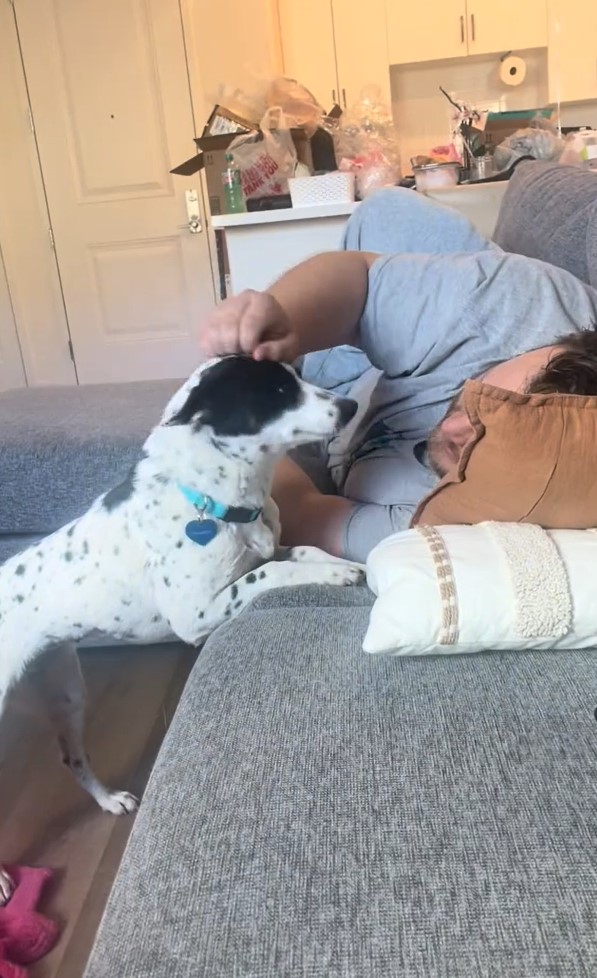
368	524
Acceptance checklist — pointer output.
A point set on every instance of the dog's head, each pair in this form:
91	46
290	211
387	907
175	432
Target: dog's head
239	398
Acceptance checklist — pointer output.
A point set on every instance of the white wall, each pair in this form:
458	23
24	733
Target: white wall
422	113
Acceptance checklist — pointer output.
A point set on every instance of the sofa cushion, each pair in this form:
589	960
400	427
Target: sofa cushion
318	812
13	544
60	447
549	212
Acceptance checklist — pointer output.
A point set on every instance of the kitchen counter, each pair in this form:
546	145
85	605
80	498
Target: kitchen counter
262	245
283	214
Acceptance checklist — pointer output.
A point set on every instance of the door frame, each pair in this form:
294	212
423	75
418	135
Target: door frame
25	229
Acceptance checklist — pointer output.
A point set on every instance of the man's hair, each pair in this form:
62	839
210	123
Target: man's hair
573	370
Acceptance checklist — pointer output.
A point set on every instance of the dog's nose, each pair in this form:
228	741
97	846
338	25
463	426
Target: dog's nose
347	409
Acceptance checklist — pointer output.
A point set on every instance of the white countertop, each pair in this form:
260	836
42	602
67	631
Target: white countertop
283	214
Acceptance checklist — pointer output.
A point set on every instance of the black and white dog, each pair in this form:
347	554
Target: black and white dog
180	547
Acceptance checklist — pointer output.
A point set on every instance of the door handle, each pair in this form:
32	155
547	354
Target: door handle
333	96
193	224
462	28
472	27
344	96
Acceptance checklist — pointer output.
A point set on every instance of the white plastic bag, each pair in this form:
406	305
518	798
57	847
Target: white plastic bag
266	159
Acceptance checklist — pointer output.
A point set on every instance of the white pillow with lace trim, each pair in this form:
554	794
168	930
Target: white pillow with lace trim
452	589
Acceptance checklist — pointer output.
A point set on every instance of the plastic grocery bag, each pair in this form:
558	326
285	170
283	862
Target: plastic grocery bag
266	159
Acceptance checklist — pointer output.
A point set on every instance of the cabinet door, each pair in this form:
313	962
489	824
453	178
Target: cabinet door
572	50
307	33
418	33
510	25
361	37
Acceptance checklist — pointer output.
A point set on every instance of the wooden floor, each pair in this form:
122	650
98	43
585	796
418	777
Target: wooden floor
45	819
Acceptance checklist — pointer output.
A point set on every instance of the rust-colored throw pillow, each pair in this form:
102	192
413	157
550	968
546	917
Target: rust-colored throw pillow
532	459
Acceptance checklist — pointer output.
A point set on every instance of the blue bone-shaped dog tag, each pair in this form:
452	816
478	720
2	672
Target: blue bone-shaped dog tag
201	531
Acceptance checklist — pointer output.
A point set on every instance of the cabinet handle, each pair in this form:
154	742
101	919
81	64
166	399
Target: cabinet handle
461	28
344	96
472	27
333	96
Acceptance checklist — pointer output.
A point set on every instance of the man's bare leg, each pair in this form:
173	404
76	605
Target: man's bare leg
308	517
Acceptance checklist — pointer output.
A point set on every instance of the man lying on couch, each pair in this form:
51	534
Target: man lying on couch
431	304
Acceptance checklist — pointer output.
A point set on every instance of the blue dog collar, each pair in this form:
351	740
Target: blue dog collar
206	506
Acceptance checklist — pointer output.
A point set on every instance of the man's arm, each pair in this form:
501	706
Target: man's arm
316	305
324	298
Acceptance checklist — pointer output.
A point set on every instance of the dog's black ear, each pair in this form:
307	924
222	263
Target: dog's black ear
190	412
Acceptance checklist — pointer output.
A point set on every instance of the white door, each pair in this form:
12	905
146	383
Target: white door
419	32
12	373
307	32
361	37
506	26
110	97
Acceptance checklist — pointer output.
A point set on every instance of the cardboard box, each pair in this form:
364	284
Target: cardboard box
212	158
500	125
223	121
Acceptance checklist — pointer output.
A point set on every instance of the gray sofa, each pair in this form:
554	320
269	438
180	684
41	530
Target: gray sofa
317	813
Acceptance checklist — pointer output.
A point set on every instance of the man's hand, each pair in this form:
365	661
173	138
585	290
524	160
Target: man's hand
253	323
316	305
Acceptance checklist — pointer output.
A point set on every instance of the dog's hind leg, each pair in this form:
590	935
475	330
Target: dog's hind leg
58	681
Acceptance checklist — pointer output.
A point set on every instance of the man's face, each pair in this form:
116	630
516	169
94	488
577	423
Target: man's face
447	440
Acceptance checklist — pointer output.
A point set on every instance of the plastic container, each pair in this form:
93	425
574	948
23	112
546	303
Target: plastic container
233	188
435	176
329	188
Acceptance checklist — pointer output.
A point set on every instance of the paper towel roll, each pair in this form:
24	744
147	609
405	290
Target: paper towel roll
513	70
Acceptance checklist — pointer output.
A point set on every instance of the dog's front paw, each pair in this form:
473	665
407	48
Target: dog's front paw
6	887
347	574
120	803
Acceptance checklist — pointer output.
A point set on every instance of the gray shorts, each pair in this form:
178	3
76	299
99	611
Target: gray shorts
385	484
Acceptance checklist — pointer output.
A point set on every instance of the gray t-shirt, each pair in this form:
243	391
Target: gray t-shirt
430	323
444	306
433	321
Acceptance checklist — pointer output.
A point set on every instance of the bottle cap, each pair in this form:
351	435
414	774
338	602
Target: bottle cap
229	158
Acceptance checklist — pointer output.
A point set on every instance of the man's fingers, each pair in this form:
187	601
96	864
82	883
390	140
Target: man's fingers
281	350
251	329
251	323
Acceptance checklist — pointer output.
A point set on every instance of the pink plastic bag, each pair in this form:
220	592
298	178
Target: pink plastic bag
266	159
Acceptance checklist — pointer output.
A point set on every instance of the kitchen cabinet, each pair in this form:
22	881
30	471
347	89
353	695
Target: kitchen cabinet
416	34
335	47
463	27
361	37
308	48
572	53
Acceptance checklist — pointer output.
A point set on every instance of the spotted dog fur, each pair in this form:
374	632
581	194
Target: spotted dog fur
126	569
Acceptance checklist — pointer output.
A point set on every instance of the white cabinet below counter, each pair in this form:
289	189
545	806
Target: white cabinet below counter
262	246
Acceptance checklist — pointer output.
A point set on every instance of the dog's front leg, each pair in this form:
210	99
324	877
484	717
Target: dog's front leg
58	681
231	601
